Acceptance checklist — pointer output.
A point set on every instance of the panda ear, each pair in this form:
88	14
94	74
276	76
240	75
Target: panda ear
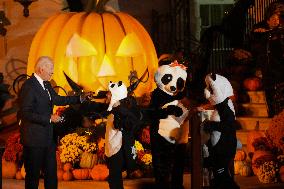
119	83
213	76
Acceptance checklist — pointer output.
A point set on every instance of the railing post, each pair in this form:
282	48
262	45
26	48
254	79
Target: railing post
196	173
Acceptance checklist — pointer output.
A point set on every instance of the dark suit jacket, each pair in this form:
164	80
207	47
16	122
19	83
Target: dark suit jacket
35	112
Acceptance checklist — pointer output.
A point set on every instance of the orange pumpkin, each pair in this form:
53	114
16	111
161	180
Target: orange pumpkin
81	174
252	84
19	175
99	172
67	166
259	157
9	169
95	48
88	160
67	176
240	155
238	166
60	174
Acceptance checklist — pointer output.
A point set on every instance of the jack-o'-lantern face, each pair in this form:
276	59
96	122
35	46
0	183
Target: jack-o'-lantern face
93	49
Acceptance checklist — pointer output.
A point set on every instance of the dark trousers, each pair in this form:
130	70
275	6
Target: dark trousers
116	164
37	159
168	163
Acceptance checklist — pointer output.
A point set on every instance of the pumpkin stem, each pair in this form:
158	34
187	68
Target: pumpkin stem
96	5
256	126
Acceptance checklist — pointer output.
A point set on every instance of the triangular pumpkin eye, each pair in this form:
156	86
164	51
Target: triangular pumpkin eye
106	68
130	46
78	46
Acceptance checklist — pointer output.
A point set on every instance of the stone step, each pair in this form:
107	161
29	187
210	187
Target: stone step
253	110
242	136
257	97
249	123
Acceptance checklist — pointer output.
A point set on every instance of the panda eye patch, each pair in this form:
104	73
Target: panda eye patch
112	85
166	79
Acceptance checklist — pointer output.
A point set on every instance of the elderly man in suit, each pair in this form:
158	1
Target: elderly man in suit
37	99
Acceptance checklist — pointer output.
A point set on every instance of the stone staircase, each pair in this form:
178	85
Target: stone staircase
254	112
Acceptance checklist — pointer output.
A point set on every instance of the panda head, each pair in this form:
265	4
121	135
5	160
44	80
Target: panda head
171	78
118	92
218	88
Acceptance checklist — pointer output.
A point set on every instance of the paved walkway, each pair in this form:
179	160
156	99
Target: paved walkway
145	183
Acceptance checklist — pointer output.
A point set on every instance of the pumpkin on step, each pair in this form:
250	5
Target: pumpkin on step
9	169
252	84
81	174
88	160
99	172
251	138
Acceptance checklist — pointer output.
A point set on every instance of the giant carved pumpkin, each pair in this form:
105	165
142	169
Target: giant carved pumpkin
95	48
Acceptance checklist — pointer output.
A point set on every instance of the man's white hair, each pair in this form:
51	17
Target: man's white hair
42	62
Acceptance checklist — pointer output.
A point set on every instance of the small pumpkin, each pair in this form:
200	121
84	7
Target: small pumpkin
9	169
60	174
67	167
245	170
19	175
252	84
81	174
237	166
67	176
240	155
99	172
88	160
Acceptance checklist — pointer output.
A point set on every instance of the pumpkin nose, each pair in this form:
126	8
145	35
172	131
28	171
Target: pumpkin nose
173	88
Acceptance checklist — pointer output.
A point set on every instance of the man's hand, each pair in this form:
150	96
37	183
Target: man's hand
55	118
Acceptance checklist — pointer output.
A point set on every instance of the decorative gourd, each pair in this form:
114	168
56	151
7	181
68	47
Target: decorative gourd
99	172
67	176
60	174
281	173
252	84
67	166
259	157
23	171
19	175
9	169
240	155
88	160
237	166
95	48
245	170
81	174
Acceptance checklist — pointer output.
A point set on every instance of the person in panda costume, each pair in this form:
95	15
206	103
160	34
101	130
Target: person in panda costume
167	115
222	129
122	122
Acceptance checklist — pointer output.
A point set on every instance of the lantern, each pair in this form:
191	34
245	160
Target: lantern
95	48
